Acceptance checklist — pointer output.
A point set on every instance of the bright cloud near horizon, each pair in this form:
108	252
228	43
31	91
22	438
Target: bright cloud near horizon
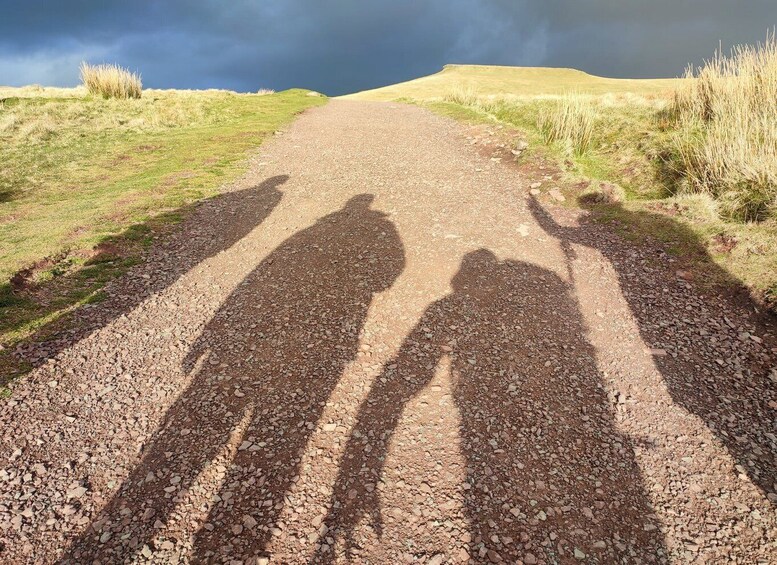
344	46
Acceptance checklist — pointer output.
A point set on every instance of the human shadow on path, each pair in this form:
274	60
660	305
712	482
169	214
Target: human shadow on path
709	367
211	226
264	368
547	472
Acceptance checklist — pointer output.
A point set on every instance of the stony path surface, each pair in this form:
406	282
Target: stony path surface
378	348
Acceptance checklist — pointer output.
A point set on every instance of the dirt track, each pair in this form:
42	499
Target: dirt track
378	348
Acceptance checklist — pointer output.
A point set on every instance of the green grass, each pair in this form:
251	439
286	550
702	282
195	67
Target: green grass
630	154
75	170
624	148
78	171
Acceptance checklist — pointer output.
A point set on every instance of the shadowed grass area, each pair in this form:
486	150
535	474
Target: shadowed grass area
719	253
38	308
61	284
84	181
726	121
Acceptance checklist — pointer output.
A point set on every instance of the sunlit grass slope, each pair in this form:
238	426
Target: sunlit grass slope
75	168
530	81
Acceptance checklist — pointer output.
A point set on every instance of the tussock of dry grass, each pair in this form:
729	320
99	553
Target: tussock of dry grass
461	94
726	142
570	121
111	81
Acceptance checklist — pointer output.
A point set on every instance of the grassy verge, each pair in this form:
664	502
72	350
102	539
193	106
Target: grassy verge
726	121
85	182
626	178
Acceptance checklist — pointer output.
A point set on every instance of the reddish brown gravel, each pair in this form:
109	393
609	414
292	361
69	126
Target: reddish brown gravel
381	347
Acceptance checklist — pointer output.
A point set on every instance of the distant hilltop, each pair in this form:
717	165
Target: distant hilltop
494	79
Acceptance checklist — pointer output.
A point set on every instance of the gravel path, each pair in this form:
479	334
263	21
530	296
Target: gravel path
377	347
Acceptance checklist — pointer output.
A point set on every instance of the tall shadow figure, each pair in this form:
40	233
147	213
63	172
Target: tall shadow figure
234	215
548	470
264	368
730	397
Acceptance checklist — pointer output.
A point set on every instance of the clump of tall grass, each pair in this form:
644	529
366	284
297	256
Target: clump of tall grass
726	139
111	81
464	95
570	121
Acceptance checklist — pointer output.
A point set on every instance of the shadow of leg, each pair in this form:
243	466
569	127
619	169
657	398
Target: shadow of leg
354	495
179	452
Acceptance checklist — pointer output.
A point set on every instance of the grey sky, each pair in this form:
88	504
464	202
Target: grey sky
339	46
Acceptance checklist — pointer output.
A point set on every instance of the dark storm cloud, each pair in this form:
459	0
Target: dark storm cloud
339	46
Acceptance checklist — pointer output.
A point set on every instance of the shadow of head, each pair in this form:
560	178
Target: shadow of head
239	212
477	270
370	243
360	202
485	277
271	184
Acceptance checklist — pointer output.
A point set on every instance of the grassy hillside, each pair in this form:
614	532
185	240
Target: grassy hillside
618	148
77	170
519	81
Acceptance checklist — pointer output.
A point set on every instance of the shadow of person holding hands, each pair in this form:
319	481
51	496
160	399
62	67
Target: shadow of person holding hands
547	472
710	369
263	369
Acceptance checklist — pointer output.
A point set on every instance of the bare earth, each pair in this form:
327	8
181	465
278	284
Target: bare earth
378	348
